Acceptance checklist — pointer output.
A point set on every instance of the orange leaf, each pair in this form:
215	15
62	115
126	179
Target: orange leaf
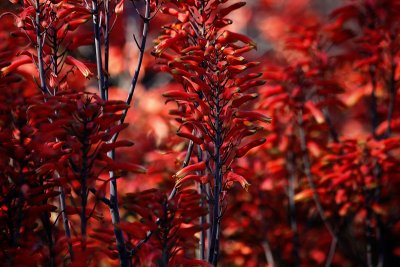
80	65
234	177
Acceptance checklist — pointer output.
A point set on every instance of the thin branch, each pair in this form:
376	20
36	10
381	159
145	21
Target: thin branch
332	251
102	199
97	44
115	217
106	47
146	23
171	196
67	230
292	206
203	219
374	105
307	171
213	251
268	253
39	47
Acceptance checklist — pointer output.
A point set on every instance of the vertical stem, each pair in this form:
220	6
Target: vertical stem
142	47
332	251
48	229
268	253
203	219
84	190
374	105
67	230
307	172
115	217
216	220
165	255
292	207
369	234
106	47
19	217
184	164
39	47
97	44
63	204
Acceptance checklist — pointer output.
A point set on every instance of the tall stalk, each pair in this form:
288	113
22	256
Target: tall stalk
290	166
97	45
213	253
317	201
103	84
39	47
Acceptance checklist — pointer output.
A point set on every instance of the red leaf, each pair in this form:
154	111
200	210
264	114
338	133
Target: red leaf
133	229
119	8
80	65
234	177
318	115
191	168
195	139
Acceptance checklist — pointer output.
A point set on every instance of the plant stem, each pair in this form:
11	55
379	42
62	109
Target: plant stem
171	196
307	172
184	164
268	253
63	204
97	44
292	207
332	251
39	47
67	230
84	190
106	47
142	47
374	105
216	220
115	217
203	219
19	217
48	229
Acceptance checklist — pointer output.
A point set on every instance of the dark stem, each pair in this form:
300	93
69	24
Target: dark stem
369	234
165	255
19	217
84	190
106	47
216	220
39	47
20	204
97	44
115	217
292	207
146	24
63	204
374	100
103	84
332	130
268	253
171	196
307	172
48	229
332	251
203	219
67	230
184	164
